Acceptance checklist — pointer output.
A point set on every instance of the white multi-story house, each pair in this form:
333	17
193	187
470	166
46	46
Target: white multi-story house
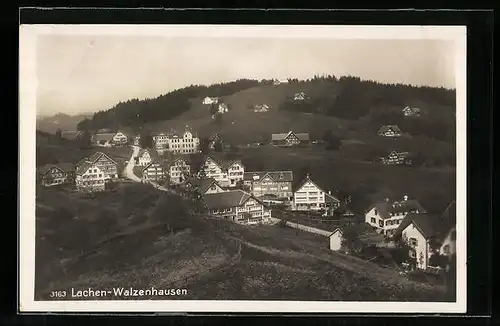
179	170
154	171
390	131
102	161
426	235
161	142
89	178
227	173
386	216
238	206
146	156
309	196
210	100
187	143
411	112
56	174
120	138
263	183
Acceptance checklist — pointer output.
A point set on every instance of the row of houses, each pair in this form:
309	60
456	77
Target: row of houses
102	137
88	174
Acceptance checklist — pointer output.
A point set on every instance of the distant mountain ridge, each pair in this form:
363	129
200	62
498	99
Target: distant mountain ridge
61	121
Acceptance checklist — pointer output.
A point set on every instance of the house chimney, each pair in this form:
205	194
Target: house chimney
405	197
329	192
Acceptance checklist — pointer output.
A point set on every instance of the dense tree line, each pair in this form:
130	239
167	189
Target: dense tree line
136	112
352	98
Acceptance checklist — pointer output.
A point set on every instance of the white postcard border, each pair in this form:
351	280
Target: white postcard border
27	118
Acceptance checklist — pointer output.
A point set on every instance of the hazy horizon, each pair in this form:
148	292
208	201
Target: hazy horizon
84	74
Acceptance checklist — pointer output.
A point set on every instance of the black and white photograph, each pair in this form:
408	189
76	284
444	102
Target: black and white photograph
245	168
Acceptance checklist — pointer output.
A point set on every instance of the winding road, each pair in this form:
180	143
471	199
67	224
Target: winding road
129	171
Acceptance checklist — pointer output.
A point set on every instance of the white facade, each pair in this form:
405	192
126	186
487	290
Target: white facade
309	197
235	173
92	179
120	138
210	100
226	178
179	171
214	170
258	212
335	240
385	226
161	142
187	144
420	246
153	172
144	159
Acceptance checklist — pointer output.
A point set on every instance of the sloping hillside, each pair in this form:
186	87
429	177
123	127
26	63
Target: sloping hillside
241	124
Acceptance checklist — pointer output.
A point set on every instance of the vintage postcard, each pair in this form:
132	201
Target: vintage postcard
248	168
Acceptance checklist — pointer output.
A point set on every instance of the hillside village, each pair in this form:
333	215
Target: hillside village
245	182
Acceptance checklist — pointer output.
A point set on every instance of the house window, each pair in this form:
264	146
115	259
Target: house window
412	254
215	211
413	242
375	212
381	223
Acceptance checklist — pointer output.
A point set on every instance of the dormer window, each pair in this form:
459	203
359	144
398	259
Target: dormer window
281	176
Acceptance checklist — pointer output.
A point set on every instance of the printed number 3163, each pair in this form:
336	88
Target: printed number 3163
58	294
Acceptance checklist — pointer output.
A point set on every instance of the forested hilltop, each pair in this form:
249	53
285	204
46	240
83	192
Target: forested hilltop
348	98
136	112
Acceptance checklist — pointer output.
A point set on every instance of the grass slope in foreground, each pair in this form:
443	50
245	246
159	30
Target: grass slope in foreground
130	238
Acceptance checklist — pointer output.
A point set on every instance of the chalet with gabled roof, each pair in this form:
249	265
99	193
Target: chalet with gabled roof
90	177
390	131
300	96
204	186
226	173
411	112
397	158
179	169
426	234
309	196
386	216
146	156
103	162
265	183
56	174
290	139
154	171
238	206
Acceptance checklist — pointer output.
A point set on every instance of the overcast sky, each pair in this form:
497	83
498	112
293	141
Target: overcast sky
84	74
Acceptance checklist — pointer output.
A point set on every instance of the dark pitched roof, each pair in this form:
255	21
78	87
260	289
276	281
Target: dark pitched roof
231	198
104	136
83	167
97	155
285	176
387	128
65	167
227	164
283	136
202	184
384	209
429	225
